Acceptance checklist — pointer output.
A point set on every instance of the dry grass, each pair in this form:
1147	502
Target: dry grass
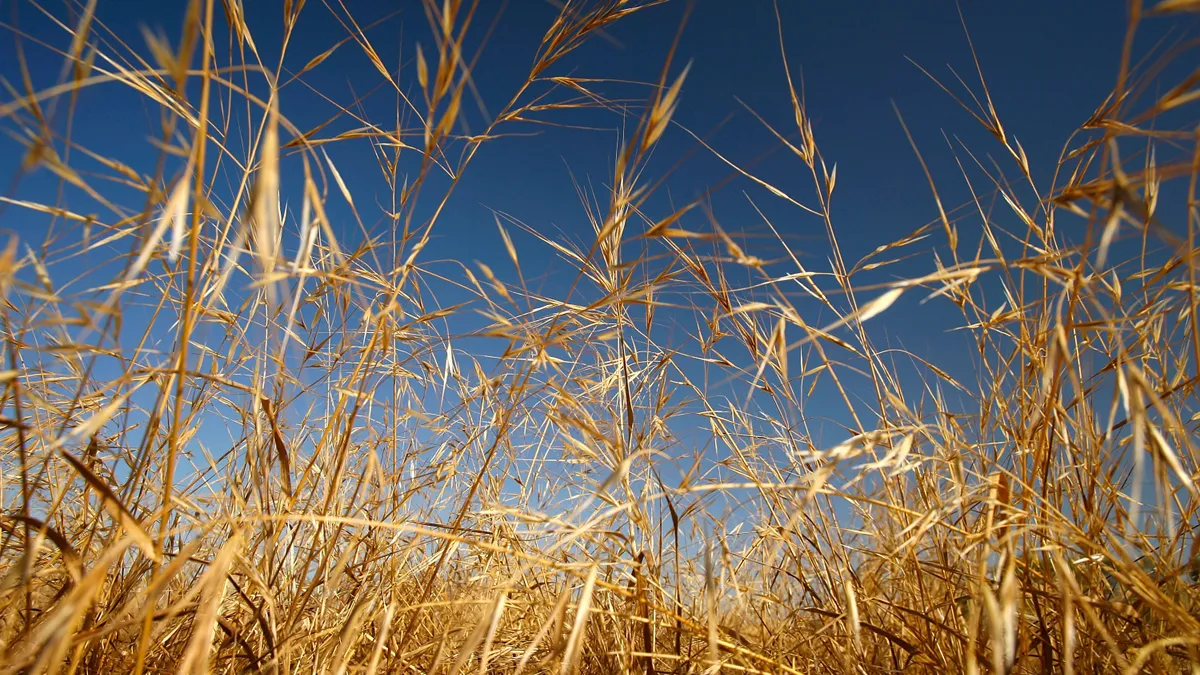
593	489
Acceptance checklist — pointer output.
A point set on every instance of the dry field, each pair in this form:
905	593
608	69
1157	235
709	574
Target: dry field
248	426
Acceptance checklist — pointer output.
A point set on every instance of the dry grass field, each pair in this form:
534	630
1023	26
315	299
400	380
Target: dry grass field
237	440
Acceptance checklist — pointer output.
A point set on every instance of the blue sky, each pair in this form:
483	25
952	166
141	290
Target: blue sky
1048	66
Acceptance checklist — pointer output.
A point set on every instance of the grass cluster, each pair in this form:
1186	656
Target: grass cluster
244	437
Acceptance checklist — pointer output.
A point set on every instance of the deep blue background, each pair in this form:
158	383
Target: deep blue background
1048	64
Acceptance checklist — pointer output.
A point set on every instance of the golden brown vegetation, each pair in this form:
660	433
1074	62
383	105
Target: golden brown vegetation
363	515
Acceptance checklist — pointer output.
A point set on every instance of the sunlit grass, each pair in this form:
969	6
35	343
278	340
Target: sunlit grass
248	427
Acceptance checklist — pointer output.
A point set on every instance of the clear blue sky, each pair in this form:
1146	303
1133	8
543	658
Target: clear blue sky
1048	64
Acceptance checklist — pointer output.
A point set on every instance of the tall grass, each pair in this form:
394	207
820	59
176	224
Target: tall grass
244	437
